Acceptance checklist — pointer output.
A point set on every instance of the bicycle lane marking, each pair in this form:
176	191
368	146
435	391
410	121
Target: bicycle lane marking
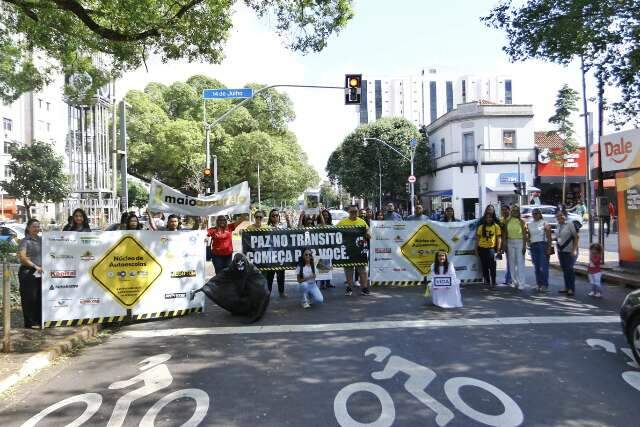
398	324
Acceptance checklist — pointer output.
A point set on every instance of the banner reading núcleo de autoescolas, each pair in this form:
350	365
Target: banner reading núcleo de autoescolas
280	249
97	277
403	251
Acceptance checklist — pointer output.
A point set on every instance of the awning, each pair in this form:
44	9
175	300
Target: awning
437	193
501	188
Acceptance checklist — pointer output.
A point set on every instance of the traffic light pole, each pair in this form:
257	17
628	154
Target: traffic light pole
208	161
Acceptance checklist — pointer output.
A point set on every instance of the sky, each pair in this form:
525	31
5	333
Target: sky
381	41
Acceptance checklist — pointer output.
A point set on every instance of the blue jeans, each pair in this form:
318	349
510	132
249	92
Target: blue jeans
567	260
540	263
507	276
311	289
220	262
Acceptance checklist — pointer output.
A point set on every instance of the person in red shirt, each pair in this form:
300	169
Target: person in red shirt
222	242
594	272
608	219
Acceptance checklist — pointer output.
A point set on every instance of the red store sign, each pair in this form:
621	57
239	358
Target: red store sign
574	164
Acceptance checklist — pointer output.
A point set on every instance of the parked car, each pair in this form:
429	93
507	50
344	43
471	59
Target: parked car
14	229
630	318
549	215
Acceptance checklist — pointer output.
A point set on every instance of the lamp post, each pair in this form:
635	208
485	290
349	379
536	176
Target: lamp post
413	144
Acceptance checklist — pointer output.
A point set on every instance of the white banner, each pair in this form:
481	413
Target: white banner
403	251
233	200
92	277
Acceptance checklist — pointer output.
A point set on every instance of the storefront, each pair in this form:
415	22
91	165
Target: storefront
621	154
555	171
434	201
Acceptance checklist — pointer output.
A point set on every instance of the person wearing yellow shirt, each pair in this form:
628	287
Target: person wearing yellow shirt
515	242
354	221
257	221
488	244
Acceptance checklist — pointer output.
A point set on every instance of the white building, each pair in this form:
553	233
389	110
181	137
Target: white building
500	135
422	99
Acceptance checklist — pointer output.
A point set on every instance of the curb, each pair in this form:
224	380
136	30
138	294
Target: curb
44	358
606	277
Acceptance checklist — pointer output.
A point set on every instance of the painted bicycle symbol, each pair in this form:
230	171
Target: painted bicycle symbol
630	377
155	376
419	379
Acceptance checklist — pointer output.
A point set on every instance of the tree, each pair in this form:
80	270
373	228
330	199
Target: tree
354	164
602	32
137	195
566	104
71	32
37	175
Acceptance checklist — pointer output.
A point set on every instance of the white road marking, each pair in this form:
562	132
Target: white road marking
367	326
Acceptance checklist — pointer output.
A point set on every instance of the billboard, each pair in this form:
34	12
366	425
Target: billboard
620	150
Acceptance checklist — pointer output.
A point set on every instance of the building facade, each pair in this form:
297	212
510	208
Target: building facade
477	150
422	99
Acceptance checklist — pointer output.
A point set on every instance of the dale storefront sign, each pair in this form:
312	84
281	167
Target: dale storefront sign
620	151
275	249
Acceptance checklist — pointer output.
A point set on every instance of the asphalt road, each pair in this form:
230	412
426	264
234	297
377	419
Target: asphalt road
507	358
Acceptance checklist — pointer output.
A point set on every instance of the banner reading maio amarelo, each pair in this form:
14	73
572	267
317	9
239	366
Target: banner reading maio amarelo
233	200
276	249
402	251
97	277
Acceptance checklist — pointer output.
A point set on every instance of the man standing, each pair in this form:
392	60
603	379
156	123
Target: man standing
391	214
419	215
354	221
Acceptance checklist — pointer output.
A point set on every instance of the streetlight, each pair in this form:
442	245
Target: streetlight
413	144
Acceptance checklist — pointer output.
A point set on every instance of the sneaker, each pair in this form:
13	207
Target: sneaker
306	305
365	291
591	294
348	291
330	286
598	295
357	284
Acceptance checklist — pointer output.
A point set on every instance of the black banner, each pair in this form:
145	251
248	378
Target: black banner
275	249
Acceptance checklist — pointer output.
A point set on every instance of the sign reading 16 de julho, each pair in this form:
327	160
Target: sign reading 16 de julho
127	271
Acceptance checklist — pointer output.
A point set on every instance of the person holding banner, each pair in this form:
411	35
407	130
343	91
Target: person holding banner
487	245
79	222
306	274
391	214
354	221
449	215
173	224
222	242
515	242
444	285
130	221
257	221
274	222
30	275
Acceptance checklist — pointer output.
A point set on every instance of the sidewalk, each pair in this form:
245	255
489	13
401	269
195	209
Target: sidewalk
35	349
611	272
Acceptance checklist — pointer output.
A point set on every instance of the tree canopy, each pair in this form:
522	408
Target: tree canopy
354	164
166	139
37	175
602	32
72	32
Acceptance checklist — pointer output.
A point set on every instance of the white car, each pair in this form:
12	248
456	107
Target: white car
337	215
548	214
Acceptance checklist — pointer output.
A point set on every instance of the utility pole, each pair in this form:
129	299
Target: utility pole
215	174
259	201
124	199
519	184
207	165
480	182
380	182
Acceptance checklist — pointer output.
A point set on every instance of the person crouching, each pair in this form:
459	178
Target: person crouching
306	271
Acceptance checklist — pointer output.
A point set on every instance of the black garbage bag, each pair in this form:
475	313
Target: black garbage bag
240	289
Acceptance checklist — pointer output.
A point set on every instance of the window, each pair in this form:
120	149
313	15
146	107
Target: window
464	91
508	92
468	144
433	101
48	127
449	96
7	172
509	138
442	149
364	111
7	147
7	124
40	103
48	106
378	88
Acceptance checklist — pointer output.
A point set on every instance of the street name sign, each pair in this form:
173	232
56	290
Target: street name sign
227	93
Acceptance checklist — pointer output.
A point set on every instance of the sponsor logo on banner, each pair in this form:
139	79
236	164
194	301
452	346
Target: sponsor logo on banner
72	285
398	239
382	259
63	274
90	240
59	303
60	239
89	301
87	256
175	295
399	269
383	250
382	225
60	256
183	273
465	252
399	226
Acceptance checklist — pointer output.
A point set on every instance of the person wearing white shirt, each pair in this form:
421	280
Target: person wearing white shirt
306	272
540	247
444	285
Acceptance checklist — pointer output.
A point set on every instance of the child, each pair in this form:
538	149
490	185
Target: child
595	276
444	287
306	271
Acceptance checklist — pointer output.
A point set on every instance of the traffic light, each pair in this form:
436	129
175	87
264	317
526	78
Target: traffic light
407	188
521	188
352	89
207	177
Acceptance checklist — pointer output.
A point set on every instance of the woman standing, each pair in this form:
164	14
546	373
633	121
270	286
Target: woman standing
274	222
540	244
515	242
30	275
222	242
488	244
567	241
325	221
130	221
79	222
257	221
306	273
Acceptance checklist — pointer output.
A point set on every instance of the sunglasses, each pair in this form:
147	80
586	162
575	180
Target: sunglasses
307	254
259	217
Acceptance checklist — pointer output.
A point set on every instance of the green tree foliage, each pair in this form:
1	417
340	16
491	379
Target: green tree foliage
138	195
354	164
71	31
566	104
37	175
166	139
603	32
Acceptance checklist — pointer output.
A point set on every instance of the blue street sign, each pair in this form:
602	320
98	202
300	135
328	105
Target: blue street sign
413	143
227	93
